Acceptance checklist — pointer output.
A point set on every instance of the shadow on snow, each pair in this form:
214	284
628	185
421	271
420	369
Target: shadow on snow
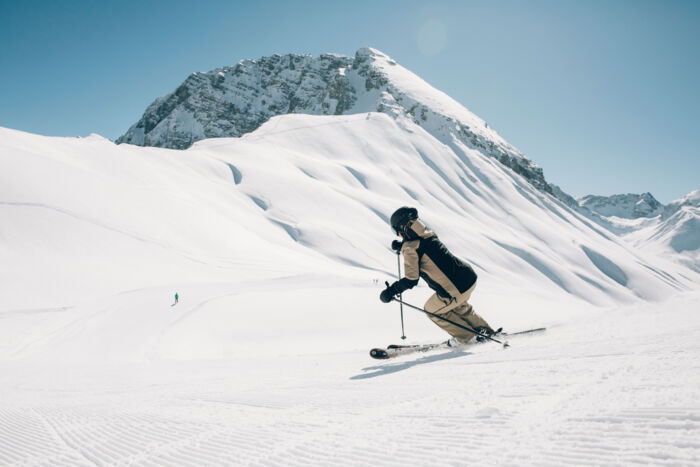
387	369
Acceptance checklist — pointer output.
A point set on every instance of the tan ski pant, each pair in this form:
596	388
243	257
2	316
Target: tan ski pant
458	310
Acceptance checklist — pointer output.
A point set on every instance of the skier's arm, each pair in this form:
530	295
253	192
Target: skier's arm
403	285
396	289
411	267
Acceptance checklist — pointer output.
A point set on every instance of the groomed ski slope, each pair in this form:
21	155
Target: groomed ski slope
609	387
278	246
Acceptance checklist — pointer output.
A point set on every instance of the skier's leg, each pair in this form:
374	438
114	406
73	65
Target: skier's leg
445	309
467	314
460	311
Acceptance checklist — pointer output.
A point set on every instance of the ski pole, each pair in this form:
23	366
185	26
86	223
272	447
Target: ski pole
466	328
398	263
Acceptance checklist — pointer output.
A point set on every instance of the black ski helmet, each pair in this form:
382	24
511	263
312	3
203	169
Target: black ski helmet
401	217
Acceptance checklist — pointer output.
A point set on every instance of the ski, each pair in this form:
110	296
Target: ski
527	331
396	350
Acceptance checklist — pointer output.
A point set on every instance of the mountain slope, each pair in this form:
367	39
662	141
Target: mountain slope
228	209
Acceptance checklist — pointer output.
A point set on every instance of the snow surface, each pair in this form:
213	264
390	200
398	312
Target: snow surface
278	245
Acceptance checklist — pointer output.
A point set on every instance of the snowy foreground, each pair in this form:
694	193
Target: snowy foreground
278	245
613	387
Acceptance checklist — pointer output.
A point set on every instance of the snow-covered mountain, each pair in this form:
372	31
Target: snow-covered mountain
629	206
672	230
232	101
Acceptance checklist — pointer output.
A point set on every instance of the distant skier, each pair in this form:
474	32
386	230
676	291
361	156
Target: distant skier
177	298
452	279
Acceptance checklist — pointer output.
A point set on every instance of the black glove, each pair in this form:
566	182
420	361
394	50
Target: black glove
396	245
388	294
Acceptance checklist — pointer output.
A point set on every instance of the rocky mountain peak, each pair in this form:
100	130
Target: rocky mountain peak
626	206
232	101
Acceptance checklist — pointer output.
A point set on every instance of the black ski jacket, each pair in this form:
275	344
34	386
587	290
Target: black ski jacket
427	257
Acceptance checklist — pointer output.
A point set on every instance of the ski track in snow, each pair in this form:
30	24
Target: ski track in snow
575	394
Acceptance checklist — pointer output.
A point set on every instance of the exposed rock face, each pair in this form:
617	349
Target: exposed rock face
232	101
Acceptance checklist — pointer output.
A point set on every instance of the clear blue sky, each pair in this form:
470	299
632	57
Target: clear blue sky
603	94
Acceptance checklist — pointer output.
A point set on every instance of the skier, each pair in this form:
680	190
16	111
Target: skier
452	279
177	299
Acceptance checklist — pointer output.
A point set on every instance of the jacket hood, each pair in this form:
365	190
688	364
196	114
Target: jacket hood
419	229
